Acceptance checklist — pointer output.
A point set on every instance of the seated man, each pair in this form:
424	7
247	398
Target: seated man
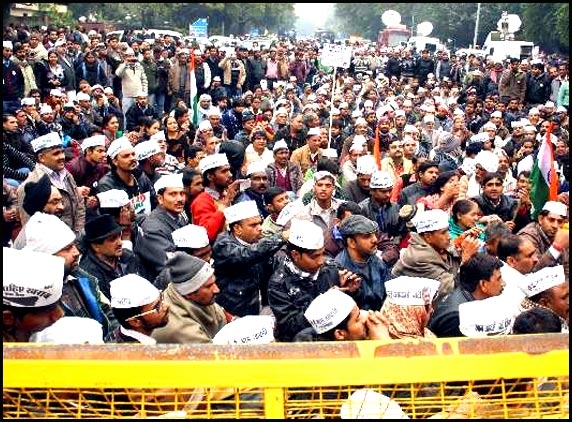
359	236
139	308
156	241
244	260
479	278
548	288
550	239
32	293
105	258
194	317
302	275
335	316
430	253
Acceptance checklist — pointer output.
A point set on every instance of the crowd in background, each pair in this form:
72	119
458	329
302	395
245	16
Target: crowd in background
187	187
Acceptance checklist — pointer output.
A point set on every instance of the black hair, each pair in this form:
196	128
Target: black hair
479	267
191	151
426	165
490	176
20	312
271	193
189	174
462	206
442	179
536	321
325	164
509	245
351	206
473	148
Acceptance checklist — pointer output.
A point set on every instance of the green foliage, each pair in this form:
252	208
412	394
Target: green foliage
546	24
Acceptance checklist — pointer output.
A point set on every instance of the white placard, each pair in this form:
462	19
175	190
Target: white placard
336	55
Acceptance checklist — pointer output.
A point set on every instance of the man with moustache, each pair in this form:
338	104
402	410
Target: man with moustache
51	161
105	257
124	175
218	194
81	296
156	242
139	308
243	260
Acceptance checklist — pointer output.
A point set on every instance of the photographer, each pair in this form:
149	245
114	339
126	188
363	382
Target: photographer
133	79
234	75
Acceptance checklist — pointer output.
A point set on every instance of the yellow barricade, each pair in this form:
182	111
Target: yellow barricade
510	377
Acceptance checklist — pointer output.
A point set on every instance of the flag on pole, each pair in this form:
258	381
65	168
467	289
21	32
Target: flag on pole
194	99
376	149
543	176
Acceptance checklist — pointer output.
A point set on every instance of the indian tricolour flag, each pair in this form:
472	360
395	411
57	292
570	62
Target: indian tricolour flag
194	98
543	176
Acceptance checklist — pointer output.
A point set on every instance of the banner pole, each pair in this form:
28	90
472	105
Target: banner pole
332	102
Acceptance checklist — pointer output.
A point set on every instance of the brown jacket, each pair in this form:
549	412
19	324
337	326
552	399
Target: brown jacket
188	321
541	242
302	157
419	259
74	204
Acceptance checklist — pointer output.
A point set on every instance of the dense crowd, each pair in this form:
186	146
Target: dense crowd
168	191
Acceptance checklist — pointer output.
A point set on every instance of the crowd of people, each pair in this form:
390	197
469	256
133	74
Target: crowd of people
393	199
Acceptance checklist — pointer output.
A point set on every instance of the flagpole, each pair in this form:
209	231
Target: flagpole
331	103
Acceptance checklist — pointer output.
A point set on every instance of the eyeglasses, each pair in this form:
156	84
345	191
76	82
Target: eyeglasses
156	308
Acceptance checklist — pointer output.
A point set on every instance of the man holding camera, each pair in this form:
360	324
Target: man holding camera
133	79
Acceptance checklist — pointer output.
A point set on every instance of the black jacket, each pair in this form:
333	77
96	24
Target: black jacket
445	319
290	292
242	272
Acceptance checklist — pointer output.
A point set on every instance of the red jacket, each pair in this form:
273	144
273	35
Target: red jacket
206	213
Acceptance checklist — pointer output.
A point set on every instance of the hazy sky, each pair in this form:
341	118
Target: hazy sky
314	13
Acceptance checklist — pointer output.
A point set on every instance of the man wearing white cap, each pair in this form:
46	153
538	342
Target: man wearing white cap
282	172
479	278
335	316
244	260
139	308
193	240
379	208
356	150
51	161
89	167
219	193
81	294
258	184
133	79
485	162
357	190
124	175
301	276
430	253
31	298
549	237
548	288
150	159
307	156
156	242
139	111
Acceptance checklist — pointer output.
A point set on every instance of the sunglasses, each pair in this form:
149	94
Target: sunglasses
156	308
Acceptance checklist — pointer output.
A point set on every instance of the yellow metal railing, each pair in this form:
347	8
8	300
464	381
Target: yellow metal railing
501	377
